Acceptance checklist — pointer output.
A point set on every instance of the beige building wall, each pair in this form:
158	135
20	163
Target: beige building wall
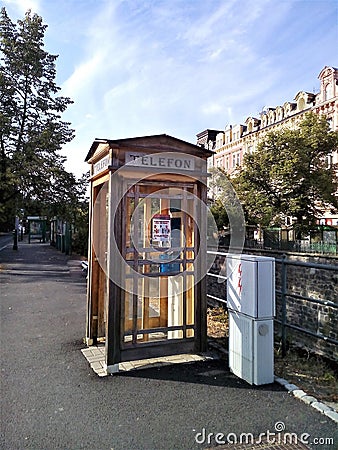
231	144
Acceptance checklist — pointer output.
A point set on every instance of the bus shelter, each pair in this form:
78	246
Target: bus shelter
37	228
146	293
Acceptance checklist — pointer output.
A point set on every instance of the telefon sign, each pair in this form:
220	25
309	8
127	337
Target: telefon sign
159	161
101	165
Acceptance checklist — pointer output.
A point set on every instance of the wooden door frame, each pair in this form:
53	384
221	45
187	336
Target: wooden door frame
115	352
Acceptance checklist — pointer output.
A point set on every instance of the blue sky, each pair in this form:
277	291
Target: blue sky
137	68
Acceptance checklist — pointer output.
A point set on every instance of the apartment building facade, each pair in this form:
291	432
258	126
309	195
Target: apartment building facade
231	144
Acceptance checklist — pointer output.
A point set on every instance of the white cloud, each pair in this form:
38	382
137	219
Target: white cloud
206	27
121	89
23	5
212	108
83	75
135	67
176	67
137	76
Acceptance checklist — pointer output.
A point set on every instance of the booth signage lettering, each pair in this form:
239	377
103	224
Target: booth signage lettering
101	164
161	162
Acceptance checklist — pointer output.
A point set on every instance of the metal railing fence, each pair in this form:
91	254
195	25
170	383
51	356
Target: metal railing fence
285	294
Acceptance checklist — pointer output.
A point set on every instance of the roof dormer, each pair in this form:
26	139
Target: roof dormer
328	83
252	123
304	100
289	108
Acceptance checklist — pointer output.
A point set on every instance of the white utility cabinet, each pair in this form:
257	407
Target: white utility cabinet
251	285
251	304
251	348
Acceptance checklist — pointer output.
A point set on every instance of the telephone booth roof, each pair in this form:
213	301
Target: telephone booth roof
158	142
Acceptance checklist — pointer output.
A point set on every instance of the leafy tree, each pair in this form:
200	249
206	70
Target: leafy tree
288	175
220	215
80	216
31	129
225	206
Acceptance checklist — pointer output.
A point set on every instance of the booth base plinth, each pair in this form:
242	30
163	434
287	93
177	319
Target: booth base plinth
95	355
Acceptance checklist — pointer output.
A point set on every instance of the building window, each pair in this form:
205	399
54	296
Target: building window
234	160
227	162
327	92
301	104
271	118
279	114
219	142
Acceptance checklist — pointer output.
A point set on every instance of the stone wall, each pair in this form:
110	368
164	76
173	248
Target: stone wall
309	282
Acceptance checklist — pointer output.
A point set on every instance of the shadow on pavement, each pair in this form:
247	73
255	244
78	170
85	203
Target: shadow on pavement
212	372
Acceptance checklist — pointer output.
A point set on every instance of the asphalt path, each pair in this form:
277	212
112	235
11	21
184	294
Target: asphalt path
6	240
51	399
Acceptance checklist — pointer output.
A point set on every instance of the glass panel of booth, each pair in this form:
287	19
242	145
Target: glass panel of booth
160	247
99	257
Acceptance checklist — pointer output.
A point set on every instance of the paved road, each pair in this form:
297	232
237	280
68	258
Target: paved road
52	400
6	240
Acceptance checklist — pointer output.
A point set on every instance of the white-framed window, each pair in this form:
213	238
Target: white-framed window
327	91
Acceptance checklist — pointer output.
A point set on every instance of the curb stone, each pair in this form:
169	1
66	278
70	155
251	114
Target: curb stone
308	399
295	390
291	387
321	407
281	381
333	415
299	393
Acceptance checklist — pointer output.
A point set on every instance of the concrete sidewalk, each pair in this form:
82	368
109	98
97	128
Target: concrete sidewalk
51	399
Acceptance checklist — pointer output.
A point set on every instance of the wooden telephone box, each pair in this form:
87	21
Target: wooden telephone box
147	249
